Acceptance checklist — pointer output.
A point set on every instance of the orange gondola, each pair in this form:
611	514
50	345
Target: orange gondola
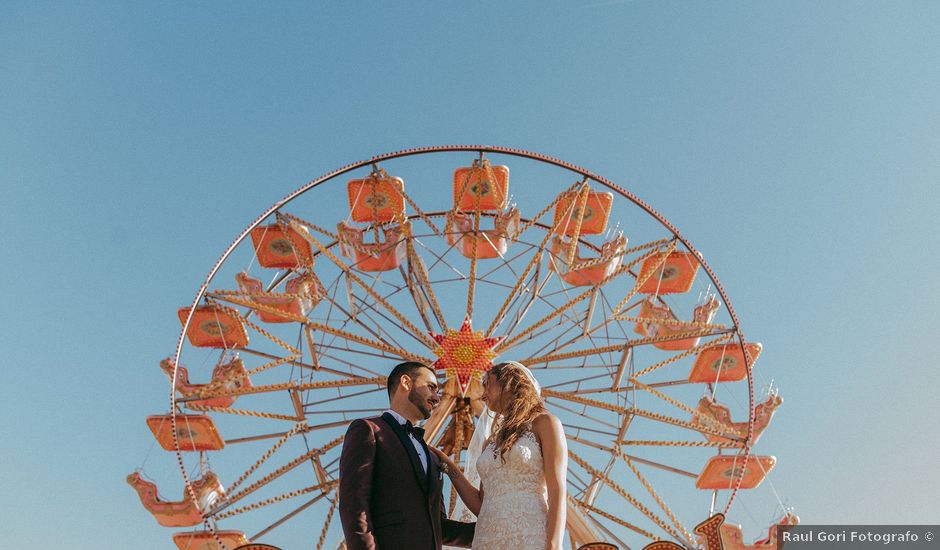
193	432
723	363
674	276
378	256
214	326
301	294
722	471
487	244
586	271
596	213
651	309
281	247
719	413
481	187
206	540
378	198
182	513
733	539
228	376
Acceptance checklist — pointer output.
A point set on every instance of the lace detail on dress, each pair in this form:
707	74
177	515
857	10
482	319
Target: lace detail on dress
514	512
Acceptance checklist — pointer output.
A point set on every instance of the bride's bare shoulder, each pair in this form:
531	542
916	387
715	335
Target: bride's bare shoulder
546	425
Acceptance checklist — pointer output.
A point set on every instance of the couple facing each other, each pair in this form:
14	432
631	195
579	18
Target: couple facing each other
391	480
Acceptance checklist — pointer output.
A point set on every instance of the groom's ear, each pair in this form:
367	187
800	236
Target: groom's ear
406	383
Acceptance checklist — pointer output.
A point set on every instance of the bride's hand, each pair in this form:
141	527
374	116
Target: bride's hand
451	467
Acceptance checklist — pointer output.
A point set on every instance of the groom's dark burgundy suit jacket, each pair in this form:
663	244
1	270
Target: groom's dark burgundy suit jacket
386	500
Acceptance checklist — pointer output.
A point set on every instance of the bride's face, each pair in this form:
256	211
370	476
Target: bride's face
492	393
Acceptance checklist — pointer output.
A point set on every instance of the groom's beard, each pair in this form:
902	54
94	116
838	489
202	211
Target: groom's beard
421	403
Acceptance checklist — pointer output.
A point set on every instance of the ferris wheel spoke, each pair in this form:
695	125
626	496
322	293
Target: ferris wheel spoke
396	313
298	428
440	260
619	389
582	415
625	495
575	482
378	325
350	316
585	379
507	344
369	342
246	299
606	309
341	397
533	287
536	335
245	412
577	366
551	344
659	501
291	361
677	443
367	288
675	323
675	402
591	444
616	520
507	262
417	279
294	512
418	294
614	538
347	349
512	301
521	313
661	258
660	466
356	366
585	332
231	499
572	354
608	319
353	411
692	426
329	519
309	428
691	351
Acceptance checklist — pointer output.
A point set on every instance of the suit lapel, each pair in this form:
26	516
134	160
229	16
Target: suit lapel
420	475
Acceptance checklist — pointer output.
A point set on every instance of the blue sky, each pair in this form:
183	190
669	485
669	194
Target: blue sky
796	144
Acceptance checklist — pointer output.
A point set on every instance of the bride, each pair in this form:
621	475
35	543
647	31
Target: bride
522	464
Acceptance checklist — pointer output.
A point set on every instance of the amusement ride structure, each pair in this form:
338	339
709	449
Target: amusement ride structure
439	255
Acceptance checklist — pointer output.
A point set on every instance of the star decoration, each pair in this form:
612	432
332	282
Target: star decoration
465	353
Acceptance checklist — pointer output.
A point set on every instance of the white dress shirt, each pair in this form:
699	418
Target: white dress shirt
418	447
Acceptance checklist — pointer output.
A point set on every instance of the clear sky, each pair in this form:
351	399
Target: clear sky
796	144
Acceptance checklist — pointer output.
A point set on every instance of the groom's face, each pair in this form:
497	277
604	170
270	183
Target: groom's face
424	392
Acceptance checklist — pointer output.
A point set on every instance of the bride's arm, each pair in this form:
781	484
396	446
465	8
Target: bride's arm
551	436
470	495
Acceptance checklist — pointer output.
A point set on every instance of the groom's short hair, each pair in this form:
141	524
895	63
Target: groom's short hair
410	368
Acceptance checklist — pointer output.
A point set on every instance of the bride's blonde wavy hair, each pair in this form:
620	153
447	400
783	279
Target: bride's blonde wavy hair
522	404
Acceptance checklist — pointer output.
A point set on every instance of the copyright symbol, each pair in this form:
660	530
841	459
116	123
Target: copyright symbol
928	536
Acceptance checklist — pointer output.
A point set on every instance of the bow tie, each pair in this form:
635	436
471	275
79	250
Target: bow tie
414	430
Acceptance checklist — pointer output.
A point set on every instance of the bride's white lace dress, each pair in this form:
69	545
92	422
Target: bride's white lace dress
514	512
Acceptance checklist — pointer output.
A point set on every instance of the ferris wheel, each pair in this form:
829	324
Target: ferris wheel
437	255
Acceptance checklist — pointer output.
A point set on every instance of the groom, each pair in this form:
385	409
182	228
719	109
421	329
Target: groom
389	481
